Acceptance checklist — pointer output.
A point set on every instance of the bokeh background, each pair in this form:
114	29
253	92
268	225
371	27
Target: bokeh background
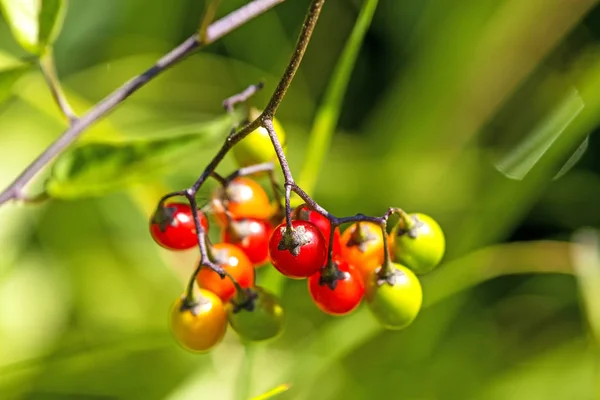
477	112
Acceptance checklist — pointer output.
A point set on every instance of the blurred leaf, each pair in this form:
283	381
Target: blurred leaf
329	111
474	230
518	162
96	168
35	24
534	257
575	157
8	77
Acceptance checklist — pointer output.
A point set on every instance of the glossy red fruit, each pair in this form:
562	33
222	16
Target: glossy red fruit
344	297
252	236
233	260
304	213
302	253
172	226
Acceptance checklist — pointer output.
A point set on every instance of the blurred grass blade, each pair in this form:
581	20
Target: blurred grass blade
520	161
586	265
35	24
273	392
97	168
328	113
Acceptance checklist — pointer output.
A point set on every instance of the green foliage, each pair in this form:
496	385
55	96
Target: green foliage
35	24
439	93
95	169
520	160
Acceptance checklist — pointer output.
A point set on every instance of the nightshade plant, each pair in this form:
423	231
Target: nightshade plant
448	79
306	244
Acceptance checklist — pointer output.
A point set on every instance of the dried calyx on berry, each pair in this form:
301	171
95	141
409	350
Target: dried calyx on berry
331	274
255	314
298	252
164	216
418	242
293	239
361	234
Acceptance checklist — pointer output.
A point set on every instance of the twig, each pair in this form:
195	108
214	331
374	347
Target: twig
265	120
271	109
214	32
230	102
307	29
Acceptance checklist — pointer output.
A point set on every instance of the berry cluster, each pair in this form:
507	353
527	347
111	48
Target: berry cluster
369	259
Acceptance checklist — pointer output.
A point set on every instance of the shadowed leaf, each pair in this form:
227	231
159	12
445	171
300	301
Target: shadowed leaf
97	168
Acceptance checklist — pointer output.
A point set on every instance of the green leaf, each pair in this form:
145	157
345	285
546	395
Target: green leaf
517	163
97	168
35	24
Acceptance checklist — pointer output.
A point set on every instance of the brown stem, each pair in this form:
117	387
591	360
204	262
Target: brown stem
307	30
230	102
267	115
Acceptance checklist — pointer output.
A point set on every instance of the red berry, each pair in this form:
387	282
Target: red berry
347	293
252	236
234	261
304	213
172	226
302	253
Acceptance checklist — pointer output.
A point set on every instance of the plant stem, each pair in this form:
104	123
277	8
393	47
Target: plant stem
230	102
207	18
331	240
305	34
265	119
386	268
287	174
48	68
250	170
214	32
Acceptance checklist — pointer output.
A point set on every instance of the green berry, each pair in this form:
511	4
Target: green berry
418	243
396	300
259	317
